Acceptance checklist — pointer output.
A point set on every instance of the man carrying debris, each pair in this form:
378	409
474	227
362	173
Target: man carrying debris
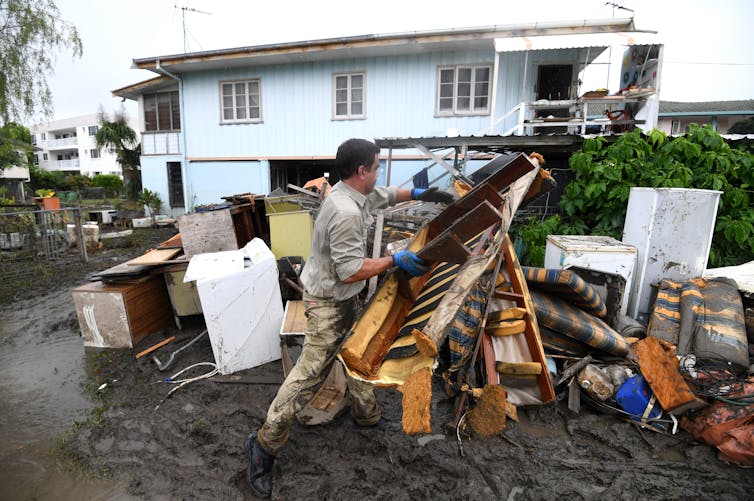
334	275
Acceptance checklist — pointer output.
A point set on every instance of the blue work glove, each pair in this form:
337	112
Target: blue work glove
410	263
432	194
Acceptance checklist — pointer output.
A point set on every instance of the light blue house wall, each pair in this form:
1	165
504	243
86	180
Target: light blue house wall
297	101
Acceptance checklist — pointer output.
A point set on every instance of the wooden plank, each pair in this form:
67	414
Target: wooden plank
173	242
519	368
154	257
488	355
379	225
660	369
448	248
294	319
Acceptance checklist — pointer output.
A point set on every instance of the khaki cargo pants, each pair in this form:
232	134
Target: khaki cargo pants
327	323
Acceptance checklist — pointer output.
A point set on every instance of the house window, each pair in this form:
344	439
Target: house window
175	184
93	130
162	112
463	90
241	101
675	127
34	139
348	98
44	156
94	153
44	136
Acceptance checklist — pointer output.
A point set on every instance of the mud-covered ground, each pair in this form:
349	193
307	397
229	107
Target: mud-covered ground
191	447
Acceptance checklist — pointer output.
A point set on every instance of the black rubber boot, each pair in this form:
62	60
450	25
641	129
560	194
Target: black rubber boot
260	468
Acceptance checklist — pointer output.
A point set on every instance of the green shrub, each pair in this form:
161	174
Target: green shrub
596	201
112	184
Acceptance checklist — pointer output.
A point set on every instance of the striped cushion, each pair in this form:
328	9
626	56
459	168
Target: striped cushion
665	321
566	285
558	315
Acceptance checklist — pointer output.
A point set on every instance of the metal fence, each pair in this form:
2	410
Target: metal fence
29	236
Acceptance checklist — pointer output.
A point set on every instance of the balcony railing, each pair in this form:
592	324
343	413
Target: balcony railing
61	144
63	164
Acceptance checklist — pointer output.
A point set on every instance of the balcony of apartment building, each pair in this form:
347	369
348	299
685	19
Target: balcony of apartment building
68	142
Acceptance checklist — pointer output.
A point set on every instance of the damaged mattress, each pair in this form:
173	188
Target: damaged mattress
566	319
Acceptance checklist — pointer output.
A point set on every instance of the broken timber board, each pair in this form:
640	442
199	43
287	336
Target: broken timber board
516	168
444	247
660	370
154	257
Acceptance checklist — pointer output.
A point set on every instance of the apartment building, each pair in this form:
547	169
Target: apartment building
68	145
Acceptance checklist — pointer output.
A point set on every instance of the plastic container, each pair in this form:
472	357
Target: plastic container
671	229
633	397
598	253
596	382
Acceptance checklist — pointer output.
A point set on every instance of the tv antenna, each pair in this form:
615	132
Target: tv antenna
185	9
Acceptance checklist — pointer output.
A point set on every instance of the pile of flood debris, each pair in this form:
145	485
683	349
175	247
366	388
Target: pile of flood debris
500	335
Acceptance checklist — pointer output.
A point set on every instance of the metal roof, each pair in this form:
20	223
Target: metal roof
546	42
374	45
677	108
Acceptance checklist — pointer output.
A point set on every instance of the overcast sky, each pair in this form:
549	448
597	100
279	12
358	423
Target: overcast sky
709	44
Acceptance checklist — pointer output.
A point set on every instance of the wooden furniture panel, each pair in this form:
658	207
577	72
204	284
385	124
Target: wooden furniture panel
121	315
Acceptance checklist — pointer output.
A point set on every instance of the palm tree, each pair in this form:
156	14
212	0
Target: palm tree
119	138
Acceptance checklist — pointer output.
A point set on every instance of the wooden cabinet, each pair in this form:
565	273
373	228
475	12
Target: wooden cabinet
121	315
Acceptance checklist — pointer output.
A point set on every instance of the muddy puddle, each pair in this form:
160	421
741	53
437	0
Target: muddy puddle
42	369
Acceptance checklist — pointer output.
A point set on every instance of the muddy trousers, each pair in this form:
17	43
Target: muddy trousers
327	322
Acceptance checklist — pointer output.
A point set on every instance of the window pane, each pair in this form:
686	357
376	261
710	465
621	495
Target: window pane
240	113
464	75
150	112
356	109
482	75
163	111
253	100
480	103
341	82
464	89
227	101
254	112
357	81
228	114
446	104
341	109
446	76
240	88
254	87
356	95
463	103
227	89
446	90
176	108
241	101
341	96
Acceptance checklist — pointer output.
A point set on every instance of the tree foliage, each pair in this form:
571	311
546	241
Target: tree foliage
110	182
31	35
118	137
596	201
15	142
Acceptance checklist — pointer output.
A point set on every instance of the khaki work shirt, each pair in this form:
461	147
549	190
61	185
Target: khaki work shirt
339	242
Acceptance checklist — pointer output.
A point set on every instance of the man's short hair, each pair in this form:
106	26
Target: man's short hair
353	153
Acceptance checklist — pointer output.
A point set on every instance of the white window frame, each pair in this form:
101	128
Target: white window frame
93	128
95	153
349	99
455	111
235	107
675	127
